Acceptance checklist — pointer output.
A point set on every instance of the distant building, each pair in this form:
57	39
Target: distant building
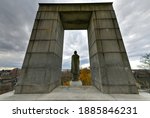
8	79
4	73
142	77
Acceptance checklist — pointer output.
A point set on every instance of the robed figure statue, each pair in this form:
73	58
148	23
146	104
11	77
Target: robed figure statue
75	69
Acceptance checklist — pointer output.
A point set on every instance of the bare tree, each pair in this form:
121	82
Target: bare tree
145	60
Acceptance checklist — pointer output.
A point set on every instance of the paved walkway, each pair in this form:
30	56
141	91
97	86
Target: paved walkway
75	93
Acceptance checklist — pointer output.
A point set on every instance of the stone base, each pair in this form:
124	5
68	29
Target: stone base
76	83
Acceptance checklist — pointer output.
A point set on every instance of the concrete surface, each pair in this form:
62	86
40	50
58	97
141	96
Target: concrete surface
75	93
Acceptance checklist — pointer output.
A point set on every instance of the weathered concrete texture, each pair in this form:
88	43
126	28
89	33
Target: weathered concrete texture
42	65
76	93
110	67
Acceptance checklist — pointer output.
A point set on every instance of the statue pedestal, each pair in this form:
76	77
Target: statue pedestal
76	83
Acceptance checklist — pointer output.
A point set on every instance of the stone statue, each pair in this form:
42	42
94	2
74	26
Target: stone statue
75	69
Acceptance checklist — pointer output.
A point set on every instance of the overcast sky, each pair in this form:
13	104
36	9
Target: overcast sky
17	18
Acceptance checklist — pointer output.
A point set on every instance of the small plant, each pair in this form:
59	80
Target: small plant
85	76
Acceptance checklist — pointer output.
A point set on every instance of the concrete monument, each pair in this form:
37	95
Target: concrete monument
111	72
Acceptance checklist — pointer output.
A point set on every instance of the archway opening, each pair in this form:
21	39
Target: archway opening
76	40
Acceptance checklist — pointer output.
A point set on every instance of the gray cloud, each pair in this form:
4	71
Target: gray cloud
16	21
133	17
75	40
16	18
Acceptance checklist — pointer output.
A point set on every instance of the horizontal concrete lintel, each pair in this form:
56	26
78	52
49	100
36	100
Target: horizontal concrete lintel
76	3
76	6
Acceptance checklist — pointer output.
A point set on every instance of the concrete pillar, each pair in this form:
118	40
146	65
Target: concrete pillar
111	72
43	60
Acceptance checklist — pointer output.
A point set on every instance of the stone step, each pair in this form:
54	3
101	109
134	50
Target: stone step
71	93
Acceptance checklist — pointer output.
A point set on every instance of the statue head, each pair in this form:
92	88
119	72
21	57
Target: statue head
75	52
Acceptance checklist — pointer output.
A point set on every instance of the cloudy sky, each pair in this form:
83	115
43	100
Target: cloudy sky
17	18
